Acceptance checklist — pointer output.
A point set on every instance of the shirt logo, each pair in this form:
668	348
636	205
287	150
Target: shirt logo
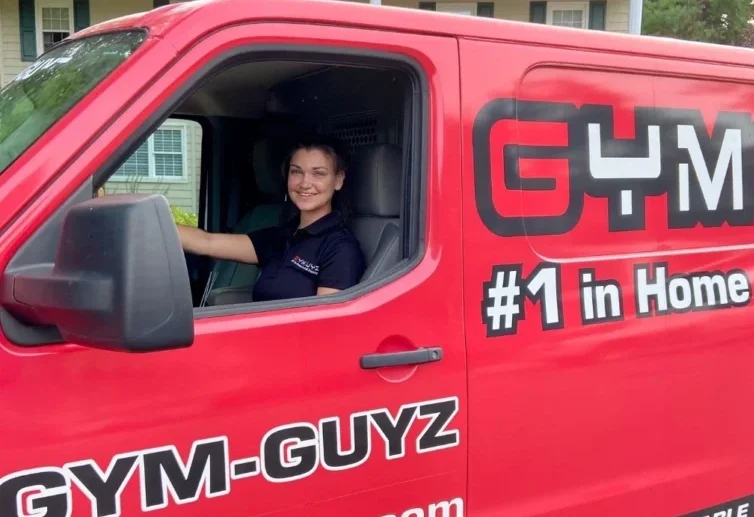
305	266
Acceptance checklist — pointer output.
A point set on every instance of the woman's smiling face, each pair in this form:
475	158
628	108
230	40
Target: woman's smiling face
313	180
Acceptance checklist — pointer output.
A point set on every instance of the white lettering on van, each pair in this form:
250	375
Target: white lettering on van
601	301
656	293
503	307
647	168
453	508
636	168
711	186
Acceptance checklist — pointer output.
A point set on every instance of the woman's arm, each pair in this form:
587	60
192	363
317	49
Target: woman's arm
220	246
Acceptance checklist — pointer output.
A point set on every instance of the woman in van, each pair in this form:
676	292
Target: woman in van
314	253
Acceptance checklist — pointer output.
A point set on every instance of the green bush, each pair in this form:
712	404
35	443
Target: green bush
714	21
183	217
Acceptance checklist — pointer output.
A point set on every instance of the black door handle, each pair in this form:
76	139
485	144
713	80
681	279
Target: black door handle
420	356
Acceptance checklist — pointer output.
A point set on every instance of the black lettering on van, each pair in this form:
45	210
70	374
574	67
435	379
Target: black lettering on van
672	153
104	489
290	452
434	436
162	470
331	433
44	491
394	432
737	508
512	110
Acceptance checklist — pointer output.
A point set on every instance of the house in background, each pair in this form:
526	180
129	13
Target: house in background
169	162
609	15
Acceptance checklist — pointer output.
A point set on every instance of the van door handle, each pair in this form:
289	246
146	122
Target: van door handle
420	356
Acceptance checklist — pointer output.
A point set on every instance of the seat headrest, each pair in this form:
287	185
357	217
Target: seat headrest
267	159
376	180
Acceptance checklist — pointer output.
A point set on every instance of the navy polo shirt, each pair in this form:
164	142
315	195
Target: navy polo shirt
295	262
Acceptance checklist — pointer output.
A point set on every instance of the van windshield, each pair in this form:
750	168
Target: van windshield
45	91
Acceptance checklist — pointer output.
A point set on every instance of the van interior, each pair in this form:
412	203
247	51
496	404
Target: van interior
217	156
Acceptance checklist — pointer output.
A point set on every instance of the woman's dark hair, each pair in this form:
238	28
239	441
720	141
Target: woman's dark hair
338	153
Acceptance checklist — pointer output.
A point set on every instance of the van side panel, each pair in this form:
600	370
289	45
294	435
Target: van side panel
607	215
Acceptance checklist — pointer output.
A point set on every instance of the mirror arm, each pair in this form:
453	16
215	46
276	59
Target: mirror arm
43	296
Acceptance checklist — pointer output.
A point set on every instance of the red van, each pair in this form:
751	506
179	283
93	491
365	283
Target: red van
553	319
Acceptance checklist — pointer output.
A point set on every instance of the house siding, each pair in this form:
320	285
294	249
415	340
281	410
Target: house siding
2	66
104	10
617	15
616	18
11	65
10	38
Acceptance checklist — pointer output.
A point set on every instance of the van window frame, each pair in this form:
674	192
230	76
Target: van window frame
415	149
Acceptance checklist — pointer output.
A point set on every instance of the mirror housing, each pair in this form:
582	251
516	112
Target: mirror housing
118	281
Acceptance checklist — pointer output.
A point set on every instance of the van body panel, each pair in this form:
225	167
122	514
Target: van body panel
594	399
585	267
284	378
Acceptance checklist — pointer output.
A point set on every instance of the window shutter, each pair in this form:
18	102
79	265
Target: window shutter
485	9
28	30
80	15
597	15
160	3
428	6
538	12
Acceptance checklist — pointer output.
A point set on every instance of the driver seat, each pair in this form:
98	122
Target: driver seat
377	193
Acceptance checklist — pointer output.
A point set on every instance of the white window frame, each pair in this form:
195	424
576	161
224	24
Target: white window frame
568	6
457	8
152	177
44	4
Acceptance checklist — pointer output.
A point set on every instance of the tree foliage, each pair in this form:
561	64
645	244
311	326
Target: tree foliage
712	21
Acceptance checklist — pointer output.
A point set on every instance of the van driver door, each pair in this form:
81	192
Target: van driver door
277	409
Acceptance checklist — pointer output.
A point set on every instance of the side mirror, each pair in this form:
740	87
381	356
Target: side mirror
118	281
